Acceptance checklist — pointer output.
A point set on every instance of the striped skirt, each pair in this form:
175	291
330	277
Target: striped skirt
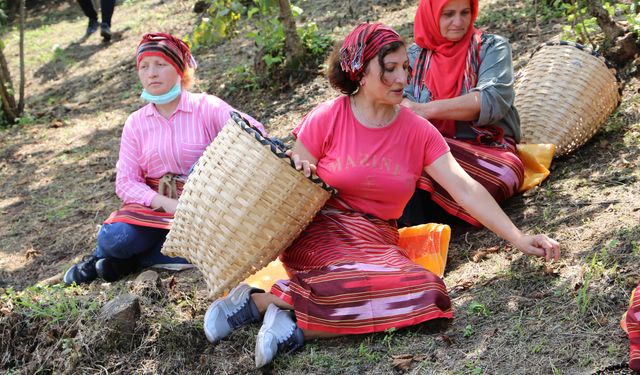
499	170
631	324
137	214
348	276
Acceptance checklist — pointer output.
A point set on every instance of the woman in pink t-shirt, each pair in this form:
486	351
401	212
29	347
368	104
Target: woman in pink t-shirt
160	143
347	273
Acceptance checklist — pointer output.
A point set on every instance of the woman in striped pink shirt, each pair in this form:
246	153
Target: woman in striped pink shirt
160	143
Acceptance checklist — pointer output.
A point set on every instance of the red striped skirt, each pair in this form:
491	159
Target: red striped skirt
348	276
499	170
631	324
137	214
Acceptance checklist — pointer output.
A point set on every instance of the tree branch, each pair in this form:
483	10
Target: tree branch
611	28
22	74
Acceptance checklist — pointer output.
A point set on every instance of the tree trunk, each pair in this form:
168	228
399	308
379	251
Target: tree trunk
22	75
609	27
622	44
6	92
292	44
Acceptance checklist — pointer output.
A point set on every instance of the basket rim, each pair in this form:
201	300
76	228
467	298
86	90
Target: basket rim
583	48
275	149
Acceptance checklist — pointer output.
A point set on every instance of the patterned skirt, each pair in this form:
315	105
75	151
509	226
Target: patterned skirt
631	324
348	276
137	214
499	170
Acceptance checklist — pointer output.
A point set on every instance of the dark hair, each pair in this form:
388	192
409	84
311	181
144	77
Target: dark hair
340	81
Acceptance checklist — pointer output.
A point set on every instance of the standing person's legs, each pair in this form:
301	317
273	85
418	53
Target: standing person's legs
107	7
90	12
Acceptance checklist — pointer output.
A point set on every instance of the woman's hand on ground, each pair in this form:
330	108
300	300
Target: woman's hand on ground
539	245
302	165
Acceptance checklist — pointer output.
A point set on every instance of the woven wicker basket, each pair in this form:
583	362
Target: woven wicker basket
241	206
564	94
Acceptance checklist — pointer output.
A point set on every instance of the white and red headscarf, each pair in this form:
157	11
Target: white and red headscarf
175	51
363	44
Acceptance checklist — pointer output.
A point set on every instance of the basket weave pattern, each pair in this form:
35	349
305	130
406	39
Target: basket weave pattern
241	206
564	95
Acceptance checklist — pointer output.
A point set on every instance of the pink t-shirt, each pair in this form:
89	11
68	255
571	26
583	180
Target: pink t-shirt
374	169
152	146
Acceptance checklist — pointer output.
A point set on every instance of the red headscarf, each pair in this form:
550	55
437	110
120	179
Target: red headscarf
363	44
448	61
173	50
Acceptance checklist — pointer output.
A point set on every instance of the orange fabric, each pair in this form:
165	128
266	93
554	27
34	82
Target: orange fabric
426	245
536	159
448	62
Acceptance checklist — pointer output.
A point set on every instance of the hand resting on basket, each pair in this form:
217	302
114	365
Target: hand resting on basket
303	160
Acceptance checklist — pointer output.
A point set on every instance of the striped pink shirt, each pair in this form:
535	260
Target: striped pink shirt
152	146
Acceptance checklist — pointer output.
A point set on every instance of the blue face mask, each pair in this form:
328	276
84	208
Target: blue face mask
164	98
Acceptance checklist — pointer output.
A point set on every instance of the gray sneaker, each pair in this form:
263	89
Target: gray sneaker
279	333
230	312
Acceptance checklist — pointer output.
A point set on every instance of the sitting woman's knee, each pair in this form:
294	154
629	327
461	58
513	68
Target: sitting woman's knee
116	240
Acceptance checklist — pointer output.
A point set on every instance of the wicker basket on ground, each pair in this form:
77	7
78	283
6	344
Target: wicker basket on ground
241	206
564	94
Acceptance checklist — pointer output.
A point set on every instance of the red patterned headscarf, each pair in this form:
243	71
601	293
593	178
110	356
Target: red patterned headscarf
173	50
363	44
448	61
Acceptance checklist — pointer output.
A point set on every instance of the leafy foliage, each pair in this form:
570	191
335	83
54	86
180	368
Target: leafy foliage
220	23
583	27
267	32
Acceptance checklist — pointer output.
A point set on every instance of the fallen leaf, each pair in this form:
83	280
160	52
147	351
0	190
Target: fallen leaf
537	295
447	339
482	253
551	269
403	361
173	282
603	321
56	123
31	254
478	256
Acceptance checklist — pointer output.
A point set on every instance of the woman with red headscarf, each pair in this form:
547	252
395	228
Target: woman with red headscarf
462	82
160	143
347	273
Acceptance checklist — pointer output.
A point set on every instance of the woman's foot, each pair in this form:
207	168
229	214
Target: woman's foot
82	272
230	312
113	269
279	333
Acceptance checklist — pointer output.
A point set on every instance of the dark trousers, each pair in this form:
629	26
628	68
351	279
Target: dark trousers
106	7
421	210
126	241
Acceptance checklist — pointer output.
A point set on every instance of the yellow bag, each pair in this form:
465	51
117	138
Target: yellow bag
268	276
426	245
537	160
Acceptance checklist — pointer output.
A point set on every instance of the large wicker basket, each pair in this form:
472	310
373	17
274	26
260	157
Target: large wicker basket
564	94
241	206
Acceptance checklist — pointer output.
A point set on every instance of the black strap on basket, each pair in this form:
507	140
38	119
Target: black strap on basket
279	152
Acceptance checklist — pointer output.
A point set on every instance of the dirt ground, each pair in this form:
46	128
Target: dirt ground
513	315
